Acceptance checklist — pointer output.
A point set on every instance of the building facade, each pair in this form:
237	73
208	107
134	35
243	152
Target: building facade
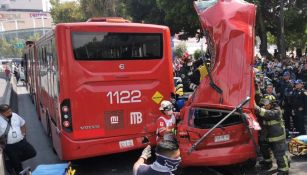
24	5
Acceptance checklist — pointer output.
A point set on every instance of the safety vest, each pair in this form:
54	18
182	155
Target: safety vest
203	72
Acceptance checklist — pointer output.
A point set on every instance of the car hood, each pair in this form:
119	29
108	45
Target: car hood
229	26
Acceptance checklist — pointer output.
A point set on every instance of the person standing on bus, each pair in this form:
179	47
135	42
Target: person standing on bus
166	123
12	133
167	159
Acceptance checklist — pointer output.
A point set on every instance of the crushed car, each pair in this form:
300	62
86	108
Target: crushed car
218	125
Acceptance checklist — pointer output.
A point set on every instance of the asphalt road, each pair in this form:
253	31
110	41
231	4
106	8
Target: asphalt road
116	164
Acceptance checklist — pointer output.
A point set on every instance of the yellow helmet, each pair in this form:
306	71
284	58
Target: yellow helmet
268	99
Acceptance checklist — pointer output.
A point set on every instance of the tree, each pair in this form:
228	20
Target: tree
34	37
296	24
181	16
272	15
102	8
5	48
146	11
180	49
66	12
198	53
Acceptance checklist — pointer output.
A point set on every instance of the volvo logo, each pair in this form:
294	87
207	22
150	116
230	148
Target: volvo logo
121	66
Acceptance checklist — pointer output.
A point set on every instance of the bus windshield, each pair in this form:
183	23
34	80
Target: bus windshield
117	46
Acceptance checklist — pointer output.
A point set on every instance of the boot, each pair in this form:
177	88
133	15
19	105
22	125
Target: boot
264	165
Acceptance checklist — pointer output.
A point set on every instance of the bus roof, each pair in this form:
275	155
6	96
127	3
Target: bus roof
111	24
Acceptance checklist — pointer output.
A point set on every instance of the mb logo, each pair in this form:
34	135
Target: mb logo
114	119
135	118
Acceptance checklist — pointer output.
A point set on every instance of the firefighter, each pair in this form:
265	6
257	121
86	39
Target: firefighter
299	104
272	136
200	71
166	123
185	73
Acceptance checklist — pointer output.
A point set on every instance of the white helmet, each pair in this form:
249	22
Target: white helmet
165	105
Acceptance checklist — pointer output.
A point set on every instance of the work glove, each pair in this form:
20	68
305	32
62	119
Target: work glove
146	152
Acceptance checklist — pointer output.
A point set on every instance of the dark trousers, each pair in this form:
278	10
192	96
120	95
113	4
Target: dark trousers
279	152
299	121
287	117
17	153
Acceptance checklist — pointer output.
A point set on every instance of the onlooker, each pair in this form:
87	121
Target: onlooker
299	103
285	88
167	159
7	73
16	73
302	72
13	131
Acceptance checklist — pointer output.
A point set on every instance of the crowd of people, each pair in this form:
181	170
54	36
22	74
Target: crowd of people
280	106
16	70
286	81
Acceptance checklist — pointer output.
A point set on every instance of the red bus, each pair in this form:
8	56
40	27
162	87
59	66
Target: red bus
100	84
30	64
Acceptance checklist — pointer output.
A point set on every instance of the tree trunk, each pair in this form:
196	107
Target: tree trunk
262	33
281	37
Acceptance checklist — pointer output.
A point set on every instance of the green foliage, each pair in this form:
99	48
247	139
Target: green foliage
34	37
102	8
181	16
66	12
271	38
14	48
5	48
295	22
180	49
198	53
296	26
145	11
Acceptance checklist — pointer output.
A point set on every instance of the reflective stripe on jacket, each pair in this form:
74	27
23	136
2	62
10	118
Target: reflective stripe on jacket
272	124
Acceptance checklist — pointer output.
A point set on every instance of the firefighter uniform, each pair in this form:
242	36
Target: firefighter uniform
299	108
185	73
272	136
